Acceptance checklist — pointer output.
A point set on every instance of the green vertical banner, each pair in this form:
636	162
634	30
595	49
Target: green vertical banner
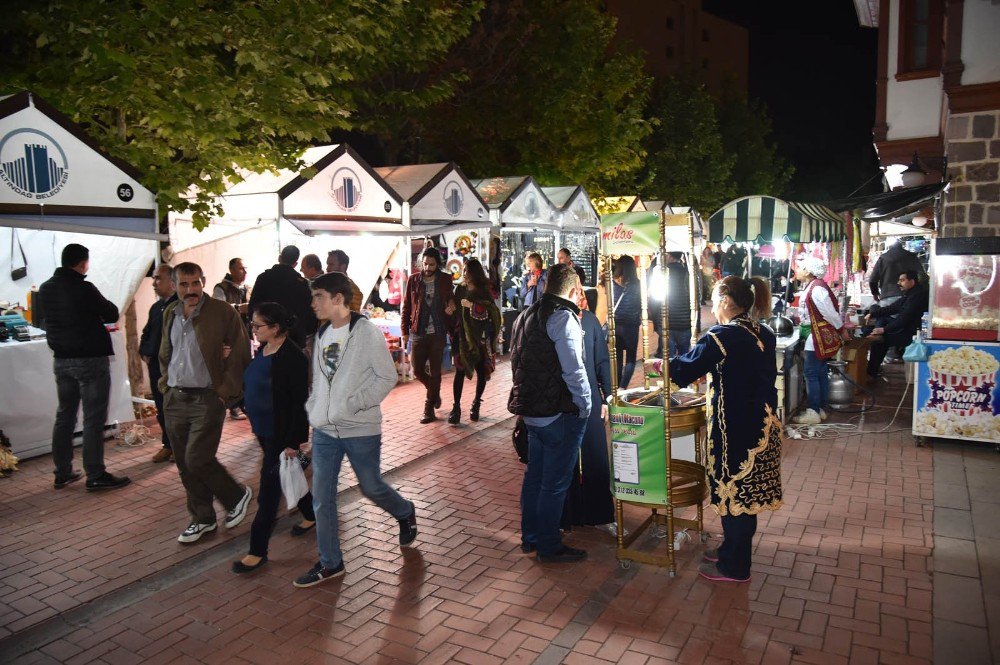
638	456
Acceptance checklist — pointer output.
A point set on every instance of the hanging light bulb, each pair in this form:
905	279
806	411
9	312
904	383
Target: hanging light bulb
657	285
781	249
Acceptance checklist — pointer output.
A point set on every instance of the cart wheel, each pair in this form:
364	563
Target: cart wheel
625	564
704	537
918	441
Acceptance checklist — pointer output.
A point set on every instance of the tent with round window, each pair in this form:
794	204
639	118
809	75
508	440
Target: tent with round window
579	227
57	187
334	201
444	206
527	222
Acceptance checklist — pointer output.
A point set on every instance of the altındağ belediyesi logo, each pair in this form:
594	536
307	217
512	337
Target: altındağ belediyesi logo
33	164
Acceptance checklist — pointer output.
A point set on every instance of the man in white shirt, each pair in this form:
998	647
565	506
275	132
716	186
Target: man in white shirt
809	271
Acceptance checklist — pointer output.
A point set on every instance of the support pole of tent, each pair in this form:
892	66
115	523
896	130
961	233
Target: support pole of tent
644	262
692	285
665	321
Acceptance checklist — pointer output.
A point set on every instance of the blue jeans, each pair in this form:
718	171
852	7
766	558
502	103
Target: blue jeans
817	381
552	453
363	452
680	342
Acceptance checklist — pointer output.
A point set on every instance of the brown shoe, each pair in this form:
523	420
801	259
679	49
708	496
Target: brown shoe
163	455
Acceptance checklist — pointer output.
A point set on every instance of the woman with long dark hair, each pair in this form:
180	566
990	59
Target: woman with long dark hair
744	432
473	339
627	310
275	388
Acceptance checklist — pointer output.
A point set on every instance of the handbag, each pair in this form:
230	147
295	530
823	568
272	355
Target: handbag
916	351
22	272
293	481
826	338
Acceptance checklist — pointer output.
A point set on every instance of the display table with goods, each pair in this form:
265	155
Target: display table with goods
955	392
28	399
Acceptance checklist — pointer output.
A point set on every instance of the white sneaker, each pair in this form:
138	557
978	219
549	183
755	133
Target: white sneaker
807	417
194	532
236	515
822	414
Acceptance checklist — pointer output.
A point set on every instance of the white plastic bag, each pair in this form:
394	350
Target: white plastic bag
293	480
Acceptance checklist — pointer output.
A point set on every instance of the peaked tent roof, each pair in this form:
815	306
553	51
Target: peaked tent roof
501	194
574	204
767	218
68	182
451	209
887	205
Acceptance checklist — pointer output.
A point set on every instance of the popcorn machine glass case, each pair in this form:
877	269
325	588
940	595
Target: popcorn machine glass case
965	289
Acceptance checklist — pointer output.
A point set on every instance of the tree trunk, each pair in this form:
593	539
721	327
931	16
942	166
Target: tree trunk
133	362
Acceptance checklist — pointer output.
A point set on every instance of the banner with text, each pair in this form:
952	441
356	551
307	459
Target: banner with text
638	459
635	233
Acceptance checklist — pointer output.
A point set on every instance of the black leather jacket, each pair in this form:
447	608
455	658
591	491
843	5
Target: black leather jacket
75	314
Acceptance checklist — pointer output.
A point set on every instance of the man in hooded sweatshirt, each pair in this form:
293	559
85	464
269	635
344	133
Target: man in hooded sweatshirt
352	373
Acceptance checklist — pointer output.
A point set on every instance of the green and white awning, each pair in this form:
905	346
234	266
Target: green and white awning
766	219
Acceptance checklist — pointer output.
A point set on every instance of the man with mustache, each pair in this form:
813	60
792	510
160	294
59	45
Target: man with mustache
202	357
427	306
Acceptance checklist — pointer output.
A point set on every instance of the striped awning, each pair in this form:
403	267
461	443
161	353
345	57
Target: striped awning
766	219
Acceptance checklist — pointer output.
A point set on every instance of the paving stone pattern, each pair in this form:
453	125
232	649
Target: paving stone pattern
842	573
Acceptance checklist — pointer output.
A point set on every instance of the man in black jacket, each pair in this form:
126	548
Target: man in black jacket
282	284
149	350
900	330
884	278
75	316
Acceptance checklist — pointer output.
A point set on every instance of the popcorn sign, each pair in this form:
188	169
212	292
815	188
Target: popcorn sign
956	392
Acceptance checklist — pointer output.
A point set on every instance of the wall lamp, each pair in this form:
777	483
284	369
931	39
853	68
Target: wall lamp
916	173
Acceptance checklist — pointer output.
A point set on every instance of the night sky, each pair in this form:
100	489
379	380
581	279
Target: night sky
814	67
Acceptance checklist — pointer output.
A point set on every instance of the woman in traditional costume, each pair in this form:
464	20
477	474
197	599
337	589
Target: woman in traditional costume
744	432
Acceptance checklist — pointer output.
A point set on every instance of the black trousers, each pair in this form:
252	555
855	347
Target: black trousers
427	354
154	380
269	497
481	380
877	351
737	545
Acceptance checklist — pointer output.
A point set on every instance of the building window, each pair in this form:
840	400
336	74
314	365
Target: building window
704	35
670	23
920	40
669	51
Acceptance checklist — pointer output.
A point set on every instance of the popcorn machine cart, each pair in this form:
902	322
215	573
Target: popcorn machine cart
955	392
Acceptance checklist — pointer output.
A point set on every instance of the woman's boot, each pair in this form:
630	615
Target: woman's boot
456	414
474	412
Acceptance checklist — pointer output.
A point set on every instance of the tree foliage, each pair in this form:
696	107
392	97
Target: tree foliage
185	89
703	150
545	94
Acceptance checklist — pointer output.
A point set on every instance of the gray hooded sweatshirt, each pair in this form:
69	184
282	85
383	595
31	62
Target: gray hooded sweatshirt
347	404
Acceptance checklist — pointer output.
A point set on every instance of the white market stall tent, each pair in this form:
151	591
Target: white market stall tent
58	187
344	205
525	218
442	202
579	227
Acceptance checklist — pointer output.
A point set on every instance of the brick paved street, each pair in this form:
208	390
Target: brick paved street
843	573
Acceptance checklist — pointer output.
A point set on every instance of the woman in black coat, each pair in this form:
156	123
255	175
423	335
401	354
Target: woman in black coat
276	385
744	432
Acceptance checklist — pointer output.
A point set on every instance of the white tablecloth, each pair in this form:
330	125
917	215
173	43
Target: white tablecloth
28	398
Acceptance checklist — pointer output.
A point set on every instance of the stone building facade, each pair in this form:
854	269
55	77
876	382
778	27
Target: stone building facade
972	205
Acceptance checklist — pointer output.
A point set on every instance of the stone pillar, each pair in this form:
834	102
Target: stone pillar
972	204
